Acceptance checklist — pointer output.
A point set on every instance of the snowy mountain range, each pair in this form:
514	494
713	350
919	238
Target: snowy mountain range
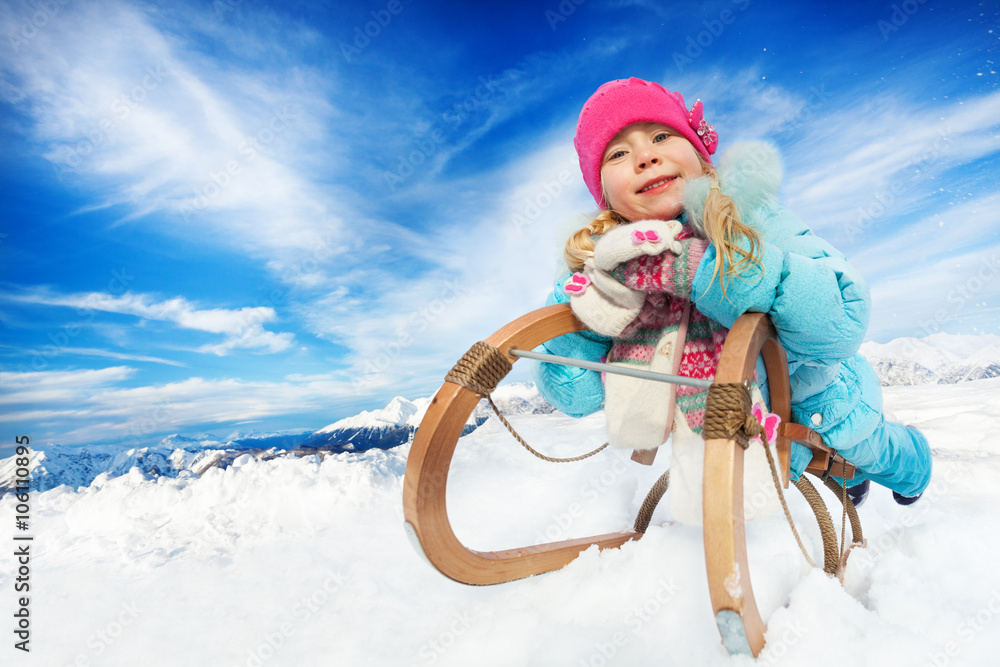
178	455
396	423
386	428
936	359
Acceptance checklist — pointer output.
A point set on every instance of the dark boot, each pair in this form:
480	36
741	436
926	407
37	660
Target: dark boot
904	500
859	492
908	500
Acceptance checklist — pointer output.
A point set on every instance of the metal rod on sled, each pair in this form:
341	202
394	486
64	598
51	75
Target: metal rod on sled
608	368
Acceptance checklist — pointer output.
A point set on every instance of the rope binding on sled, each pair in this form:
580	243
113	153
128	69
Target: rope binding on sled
728	416
480	370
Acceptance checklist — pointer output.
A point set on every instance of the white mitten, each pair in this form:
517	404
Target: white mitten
646	237
601	302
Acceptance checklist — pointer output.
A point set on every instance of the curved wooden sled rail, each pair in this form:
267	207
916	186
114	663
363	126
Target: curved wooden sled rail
425	481
729	584
736	613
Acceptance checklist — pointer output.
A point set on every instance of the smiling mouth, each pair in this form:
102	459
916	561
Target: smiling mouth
657	184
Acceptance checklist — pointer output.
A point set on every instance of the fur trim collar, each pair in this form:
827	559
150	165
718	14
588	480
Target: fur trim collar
749	172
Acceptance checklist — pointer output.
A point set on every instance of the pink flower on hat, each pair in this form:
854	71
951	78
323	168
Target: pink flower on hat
701	127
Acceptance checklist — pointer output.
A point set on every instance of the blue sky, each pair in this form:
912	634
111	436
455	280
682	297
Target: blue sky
234	215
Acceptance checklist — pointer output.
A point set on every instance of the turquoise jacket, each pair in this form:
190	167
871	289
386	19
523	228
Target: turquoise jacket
819	305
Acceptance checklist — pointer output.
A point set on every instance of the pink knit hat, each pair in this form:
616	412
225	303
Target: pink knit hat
622	102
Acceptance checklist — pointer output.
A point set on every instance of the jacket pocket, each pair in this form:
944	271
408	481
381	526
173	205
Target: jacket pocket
830	407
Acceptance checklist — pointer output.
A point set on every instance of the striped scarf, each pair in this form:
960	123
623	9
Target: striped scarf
667	280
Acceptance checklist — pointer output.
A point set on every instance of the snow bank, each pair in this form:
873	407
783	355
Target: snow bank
304	562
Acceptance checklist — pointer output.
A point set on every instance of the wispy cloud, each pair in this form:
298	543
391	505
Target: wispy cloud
492	263
929	237
242	327
92	406
885	178
926	297
742	103
192	145
106	354
892	164
504	253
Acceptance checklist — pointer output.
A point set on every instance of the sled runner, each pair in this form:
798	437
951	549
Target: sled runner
728	427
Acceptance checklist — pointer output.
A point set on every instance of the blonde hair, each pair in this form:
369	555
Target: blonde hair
722	225
580	247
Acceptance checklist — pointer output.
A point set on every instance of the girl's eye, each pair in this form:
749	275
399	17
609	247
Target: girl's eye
616	154
662	136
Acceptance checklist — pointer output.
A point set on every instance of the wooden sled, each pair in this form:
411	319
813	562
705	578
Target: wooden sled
736	613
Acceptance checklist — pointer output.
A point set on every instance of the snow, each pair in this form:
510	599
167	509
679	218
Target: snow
940	358
77	466
514	397
938	352
291	561
733	583
916	350
397	413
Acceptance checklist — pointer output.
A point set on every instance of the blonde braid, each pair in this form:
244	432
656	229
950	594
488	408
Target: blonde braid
580	246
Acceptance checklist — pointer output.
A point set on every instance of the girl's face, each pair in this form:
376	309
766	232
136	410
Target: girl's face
644	169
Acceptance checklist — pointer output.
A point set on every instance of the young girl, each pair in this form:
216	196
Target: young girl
680	251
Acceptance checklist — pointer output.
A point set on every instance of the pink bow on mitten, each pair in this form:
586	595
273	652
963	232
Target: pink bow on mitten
626	242
649	235
601	302
577	284
769	421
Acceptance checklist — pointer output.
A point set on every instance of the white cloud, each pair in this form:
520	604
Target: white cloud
942	294
140	114
742	104
851	151
504	260
108	354
57	386
493	263
89	406
885	180
898	155
176	119
928	237
242	327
